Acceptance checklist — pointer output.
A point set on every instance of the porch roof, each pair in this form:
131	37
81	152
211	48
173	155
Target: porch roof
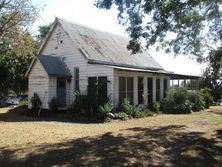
166	73
54	66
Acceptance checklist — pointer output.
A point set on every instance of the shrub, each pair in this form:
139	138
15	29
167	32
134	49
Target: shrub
132	111
85	104
105	109
156	106
176	101
126	106
207	97
121	116
35	101
23	103
81	103
53	104
142	113
196	99
138	114
147	113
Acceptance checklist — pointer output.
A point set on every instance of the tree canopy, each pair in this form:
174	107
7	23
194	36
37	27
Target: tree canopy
17	51
17	46
42	32
213	74
16	13
179	26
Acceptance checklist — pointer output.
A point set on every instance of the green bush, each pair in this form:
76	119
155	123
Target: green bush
121	116
142	113
138	114
207	97
156	106
147	113
126	106
53	104
105	109
132	111
85	104
35	101
23	103
176	101
80	104
196	99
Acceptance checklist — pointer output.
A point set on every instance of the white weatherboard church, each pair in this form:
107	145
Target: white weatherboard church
75	58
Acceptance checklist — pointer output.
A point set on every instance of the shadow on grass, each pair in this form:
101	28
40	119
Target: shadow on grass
23	114
162	146
219	133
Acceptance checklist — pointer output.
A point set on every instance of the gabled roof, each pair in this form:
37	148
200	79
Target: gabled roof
106	48
53	66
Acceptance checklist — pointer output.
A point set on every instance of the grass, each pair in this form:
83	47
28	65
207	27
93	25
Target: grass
163	140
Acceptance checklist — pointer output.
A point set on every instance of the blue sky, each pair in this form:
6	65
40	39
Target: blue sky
84	12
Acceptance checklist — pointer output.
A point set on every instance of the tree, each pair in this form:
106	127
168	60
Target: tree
17	47
43	31
181	26
213	74
17	50
16	13
4	79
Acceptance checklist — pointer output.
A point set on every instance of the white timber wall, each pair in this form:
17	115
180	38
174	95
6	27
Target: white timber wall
38	82
60	44
135	75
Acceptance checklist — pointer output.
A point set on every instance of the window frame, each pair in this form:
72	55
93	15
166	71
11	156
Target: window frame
150	90
76	79
140	90
157	89
95	91
126	92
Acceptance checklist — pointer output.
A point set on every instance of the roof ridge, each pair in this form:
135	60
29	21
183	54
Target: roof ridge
89	27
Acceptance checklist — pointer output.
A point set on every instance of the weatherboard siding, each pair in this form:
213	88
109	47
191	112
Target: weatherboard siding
38	82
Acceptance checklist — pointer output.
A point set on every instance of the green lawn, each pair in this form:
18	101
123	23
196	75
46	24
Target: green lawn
162	140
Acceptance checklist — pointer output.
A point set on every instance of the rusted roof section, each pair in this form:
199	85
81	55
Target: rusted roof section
107	48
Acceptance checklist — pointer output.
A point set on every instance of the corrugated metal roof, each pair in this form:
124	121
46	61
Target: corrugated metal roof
54	66
172	75
107	47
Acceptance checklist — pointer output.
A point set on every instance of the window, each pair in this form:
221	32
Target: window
126	88
165	87
150	90
97	87
122	88
76	79
129	93
157	89
92	86
140	90
102	90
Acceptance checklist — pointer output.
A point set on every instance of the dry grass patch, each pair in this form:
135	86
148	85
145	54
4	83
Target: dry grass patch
163	140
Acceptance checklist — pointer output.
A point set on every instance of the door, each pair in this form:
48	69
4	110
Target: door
61	92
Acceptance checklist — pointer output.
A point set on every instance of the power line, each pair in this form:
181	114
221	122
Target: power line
34	8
